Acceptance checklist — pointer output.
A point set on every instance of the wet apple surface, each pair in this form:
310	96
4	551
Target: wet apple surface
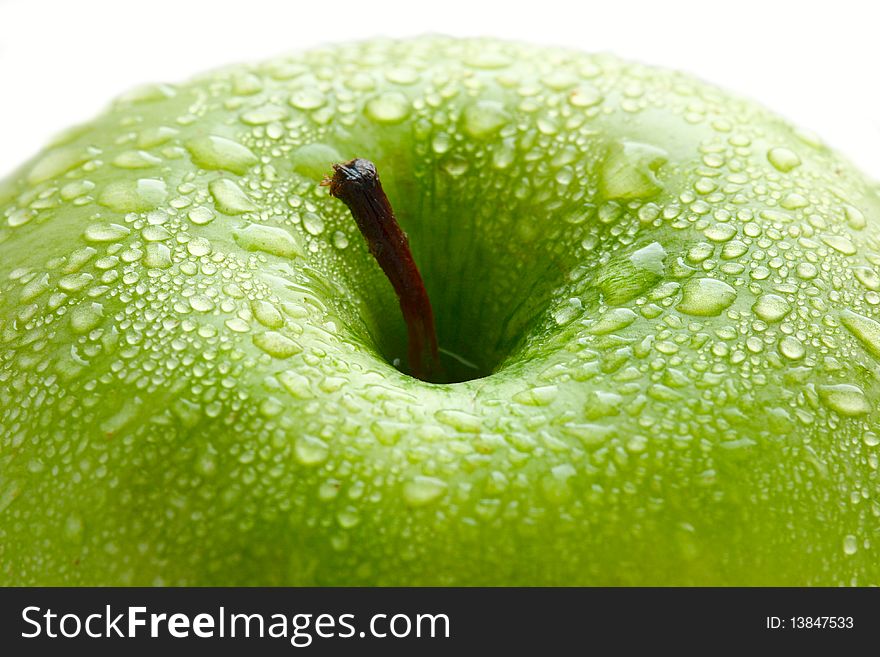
656	304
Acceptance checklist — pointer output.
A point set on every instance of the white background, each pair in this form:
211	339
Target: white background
819	64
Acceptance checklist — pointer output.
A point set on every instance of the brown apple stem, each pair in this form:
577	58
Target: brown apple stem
356	183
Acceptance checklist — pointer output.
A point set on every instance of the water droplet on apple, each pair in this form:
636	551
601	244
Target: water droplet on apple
57	162
792	348
85	317
264	114
847	399
783	159
585	96
389	107
75	282
19	218
133	195
771	308
201	303
720	232
198	247
213	152
313	224
268	239
73	527
348	517
613	320
267	314
276	344
307	98
537	396
850	544
422	490
484	118
629	171
157	256
460	420
866	330
200	215
310	450
840	244
706	297
229	197
136	160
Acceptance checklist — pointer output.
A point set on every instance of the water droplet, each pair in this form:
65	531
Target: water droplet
75	282
201	215
806	271
156	136
136	160
155	234
733	249
198	247
585	96
720	232
267	314
461	420
105	233
296	384
313	224
263	115
212	152
850	544
133	195
348	518
794	201
706	297
846	399
866	330
555	485
73	528
421	490
158	256
783	159
624	279
588	433
629	171
246	84
269	239
854	217
314	161
537	396
237	325
201	303
123	417
310	450
276	345
389	107
19	218
307	98
771	307
34	288
229	197
613	320
792	348
85	317
55	163
840	243
484	118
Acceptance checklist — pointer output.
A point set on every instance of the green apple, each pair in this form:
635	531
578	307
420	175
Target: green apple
656	305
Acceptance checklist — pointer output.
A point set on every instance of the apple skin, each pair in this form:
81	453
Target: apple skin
670	293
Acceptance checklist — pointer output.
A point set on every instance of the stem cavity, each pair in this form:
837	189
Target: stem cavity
356	183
